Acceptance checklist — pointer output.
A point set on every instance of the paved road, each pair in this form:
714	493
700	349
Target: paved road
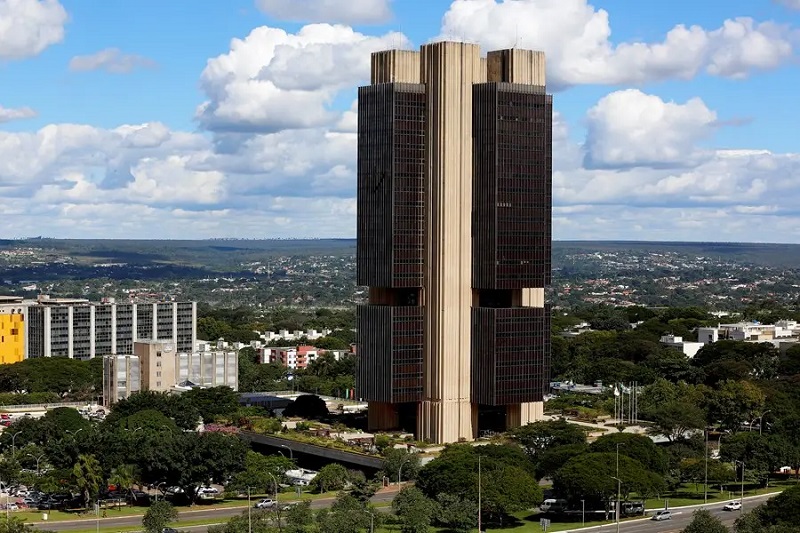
681	518
213	515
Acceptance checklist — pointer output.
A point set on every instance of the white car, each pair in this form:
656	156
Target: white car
662	515
265	504
735	505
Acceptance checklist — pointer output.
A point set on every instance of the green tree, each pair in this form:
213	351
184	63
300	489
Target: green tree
123	477
705	522
213	402
299	518
15	524
415	510
637	447
400	462
539	436
777	515
456	513
733	403
87	477
331	477
347	515
261	472
675	418
552	459
591	477
309	406
158	516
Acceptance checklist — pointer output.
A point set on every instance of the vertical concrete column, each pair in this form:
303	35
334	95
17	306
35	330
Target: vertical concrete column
154	333
92	333
134	323
47	350
448	70
114	329
70	332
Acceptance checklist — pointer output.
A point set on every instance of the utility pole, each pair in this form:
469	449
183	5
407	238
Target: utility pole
249	513
705	487
480	529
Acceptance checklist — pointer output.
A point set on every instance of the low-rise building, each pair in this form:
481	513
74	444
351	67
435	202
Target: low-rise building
158	366
688	348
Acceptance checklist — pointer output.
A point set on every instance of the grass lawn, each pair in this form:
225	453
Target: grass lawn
114	512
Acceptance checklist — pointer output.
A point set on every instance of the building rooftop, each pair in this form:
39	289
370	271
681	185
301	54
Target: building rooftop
10	299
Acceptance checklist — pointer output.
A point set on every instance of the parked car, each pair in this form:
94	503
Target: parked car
735	505
266	503
662	515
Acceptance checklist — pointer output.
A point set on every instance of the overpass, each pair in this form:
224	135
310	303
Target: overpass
312	453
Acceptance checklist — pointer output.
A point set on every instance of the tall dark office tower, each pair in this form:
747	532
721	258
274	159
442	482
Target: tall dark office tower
454	233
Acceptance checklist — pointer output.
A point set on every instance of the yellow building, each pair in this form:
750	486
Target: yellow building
12	330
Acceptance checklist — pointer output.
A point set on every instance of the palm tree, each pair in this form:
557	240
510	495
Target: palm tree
87	476
123	477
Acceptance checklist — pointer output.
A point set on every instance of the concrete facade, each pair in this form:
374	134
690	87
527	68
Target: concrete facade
434	373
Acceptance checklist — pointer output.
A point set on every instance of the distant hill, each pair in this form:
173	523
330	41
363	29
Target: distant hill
220	253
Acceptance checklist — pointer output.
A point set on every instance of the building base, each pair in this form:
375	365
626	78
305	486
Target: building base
446	421
382	416
522	414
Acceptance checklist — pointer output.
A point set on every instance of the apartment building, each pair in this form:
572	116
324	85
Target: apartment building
454	239
290	356
158	366
12	329
78	328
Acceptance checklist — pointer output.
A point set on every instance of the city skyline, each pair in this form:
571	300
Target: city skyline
132	121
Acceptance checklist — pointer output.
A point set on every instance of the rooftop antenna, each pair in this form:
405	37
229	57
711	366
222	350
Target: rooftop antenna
516	37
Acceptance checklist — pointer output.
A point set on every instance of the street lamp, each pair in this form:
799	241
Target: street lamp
13	443
705	486
742	498
371	522
583	513
761	421
162	483
276	488
618	507
400	470
73	433
249	513
39	458
291	453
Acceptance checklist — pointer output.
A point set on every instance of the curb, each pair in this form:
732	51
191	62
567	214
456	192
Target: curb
697	506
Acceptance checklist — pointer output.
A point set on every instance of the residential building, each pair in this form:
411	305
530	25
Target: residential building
157	366
286	335
290	356
454	239
688	348
122	377
12	329
78	328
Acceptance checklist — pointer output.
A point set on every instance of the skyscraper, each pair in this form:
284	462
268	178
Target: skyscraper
454	231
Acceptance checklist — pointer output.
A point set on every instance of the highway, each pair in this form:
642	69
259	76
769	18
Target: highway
215	515
680	519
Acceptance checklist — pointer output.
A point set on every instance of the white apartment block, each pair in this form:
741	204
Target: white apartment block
77	328
749	331
688	348
286	335
157	366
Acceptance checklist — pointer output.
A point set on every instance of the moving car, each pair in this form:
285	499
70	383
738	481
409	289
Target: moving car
735	505
266	503
662	515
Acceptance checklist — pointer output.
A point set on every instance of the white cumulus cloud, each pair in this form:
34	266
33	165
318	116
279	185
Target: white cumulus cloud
273	80
346	12
630	128
27	27
110	60
576	38
8	114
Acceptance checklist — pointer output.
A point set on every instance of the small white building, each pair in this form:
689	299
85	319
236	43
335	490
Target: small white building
688	348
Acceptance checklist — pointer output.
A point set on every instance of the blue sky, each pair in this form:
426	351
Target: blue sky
139	119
